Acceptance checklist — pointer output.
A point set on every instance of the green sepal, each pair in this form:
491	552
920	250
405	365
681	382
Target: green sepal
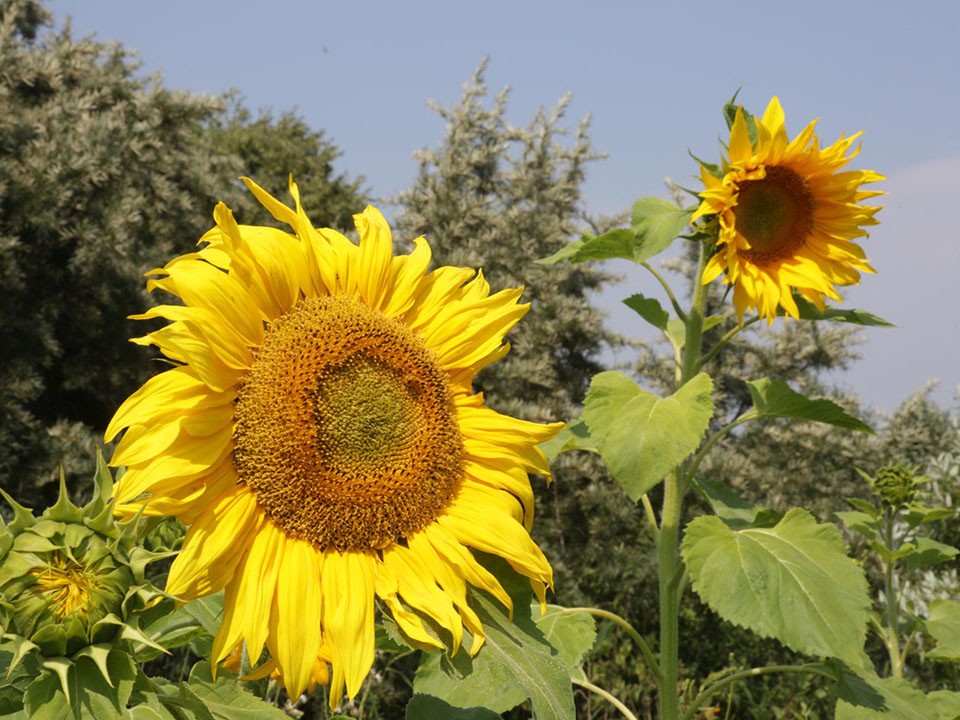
102	487
22	517
51	639
62	668
64	510
21	648
99	655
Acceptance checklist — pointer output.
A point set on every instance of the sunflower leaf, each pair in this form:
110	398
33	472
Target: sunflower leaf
656	223
793	582
515	663
428	706
649	309
572	633
809	311
774	398
225	698
943	624
642	437
574	436
892	699
618	243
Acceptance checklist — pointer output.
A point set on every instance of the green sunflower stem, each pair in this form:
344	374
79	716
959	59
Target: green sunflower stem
668	546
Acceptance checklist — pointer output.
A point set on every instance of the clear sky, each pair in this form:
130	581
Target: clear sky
653	75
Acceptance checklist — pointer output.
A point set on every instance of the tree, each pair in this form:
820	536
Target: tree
103	176
270	149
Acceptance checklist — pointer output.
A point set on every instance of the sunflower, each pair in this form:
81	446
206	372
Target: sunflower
320	436
787	216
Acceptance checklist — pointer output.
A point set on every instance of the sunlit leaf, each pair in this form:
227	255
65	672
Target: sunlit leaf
656	223
792	582
774	398
943	624
574	436
641	436
649	309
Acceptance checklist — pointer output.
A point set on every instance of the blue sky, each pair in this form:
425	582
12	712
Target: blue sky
653	76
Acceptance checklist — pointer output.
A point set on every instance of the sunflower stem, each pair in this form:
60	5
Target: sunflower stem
668	545
893	602
587	685
666	286
630	630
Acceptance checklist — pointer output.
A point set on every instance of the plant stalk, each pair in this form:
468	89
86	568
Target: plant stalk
668	545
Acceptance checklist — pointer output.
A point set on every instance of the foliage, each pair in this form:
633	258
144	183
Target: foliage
103	175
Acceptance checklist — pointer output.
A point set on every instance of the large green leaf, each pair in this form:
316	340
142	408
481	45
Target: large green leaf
792	582
656	223
943	624
515	663
641	436
774	398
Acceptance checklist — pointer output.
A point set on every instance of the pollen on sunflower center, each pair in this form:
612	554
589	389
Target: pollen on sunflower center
345	427
774	214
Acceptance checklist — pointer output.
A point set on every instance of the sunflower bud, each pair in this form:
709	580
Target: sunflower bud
72	591
897	486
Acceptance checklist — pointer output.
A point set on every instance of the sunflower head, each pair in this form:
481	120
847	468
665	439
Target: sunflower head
72	588
787	215
320	435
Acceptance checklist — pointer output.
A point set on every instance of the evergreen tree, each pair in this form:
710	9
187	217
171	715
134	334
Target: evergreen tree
105	175
270	149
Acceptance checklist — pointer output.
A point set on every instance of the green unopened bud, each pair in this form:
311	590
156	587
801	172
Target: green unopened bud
72	586
897	486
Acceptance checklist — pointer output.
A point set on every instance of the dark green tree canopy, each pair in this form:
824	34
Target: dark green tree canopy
105	174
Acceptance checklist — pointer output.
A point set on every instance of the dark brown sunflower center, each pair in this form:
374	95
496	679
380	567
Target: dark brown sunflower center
774	214
346	429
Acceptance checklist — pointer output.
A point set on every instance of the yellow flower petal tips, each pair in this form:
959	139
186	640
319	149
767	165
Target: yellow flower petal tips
320	436
787	216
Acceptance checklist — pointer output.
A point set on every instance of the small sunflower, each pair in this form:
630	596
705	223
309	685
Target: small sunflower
320	435
787	216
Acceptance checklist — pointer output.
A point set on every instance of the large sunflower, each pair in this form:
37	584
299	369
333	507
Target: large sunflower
320	436
787	216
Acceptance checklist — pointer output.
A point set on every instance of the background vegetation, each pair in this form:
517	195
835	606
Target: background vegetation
105	174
